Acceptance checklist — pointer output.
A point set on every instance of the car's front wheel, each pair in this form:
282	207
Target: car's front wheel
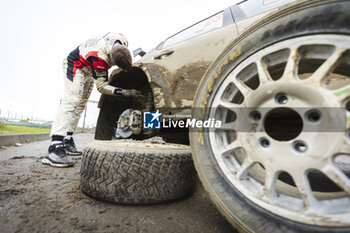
281	158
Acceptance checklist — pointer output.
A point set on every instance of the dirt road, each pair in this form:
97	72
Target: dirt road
39	198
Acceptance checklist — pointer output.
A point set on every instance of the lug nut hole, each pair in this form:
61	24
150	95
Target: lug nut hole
281	98
300	146
264	142
313	116
255	116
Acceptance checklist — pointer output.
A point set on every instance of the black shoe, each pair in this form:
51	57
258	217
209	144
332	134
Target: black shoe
69	147
57	157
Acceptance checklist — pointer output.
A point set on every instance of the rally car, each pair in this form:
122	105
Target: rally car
276	75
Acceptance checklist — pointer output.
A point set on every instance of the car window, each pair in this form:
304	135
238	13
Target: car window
247	9
213	22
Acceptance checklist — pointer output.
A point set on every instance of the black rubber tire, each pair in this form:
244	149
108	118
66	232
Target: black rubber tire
137	172
303	18
112	108
108	116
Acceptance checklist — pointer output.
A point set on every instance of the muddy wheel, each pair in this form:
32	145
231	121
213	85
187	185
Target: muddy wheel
108	116
112	106
280	160
136	172
111	110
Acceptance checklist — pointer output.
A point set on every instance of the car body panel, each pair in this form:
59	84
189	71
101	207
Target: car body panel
180	72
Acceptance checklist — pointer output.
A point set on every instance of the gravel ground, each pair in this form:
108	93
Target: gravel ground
39	198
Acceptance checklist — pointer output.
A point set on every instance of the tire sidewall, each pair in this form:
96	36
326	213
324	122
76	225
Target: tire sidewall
314	17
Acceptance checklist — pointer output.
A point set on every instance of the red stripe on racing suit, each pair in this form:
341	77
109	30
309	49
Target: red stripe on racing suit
98	66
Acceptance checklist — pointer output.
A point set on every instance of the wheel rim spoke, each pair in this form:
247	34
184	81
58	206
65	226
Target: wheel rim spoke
243	170
344	147
270	184
327	67
241	87
338	177
229	126
290	72
230	147
304	188
264	75
228	105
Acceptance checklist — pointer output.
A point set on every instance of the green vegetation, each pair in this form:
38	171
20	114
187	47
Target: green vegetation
2	125
16	129
79	130
19	129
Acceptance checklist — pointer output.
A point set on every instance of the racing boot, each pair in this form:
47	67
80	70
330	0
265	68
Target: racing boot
69	147
57	157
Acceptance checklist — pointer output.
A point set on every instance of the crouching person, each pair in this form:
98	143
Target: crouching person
84	66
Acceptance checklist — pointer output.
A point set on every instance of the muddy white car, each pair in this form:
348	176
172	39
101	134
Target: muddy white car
276	74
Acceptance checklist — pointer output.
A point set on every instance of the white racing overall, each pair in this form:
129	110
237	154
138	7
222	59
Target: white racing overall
89	62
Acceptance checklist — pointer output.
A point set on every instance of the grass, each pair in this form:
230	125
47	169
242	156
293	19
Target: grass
16	129
79	130
2	125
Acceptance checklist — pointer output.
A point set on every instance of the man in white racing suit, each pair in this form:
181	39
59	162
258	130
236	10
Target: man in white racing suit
87	64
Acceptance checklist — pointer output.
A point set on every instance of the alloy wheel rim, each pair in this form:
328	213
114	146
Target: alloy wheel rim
306	81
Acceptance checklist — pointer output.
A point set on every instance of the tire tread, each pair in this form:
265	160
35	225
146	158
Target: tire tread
131	176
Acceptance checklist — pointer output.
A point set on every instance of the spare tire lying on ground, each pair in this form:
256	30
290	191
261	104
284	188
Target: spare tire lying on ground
134	172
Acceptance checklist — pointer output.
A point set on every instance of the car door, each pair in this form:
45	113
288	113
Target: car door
184	57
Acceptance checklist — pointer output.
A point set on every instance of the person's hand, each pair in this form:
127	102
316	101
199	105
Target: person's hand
131	93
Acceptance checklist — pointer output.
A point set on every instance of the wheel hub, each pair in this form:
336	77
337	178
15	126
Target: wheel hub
283	124
124	123
287	121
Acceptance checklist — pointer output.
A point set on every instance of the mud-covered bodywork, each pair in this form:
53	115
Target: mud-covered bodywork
175	67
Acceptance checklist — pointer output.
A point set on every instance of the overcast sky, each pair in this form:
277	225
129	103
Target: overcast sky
37	34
